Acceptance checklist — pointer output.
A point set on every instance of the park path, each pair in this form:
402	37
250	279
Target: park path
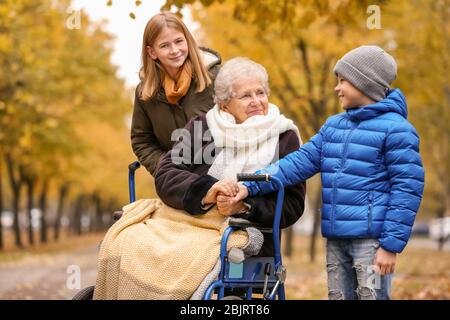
45	276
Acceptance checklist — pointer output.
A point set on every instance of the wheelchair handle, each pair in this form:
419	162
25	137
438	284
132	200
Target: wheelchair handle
253	177
134	166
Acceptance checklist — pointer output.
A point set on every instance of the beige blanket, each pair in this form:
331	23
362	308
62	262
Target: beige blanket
157	252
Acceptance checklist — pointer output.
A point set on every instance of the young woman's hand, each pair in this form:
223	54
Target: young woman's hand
227	187
384	262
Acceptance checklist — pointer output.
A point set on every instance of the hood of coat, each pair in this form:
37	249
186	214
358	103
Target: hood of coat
210	57
395	101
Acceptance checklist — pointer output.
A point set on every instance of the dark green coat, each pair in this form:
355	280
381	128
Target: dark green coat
154	120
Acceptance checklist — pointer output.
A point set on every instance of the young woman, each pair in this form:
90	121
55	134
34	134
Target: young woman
176	85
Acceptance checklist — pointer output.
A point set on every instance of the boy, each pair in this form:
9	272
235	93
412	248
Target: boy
372	176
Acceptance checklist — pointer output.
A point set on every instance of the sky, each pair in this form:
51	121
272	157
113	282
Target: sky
128	32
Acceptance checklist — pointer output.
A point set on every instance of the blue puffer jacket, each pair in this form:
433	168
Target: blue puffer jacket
372	174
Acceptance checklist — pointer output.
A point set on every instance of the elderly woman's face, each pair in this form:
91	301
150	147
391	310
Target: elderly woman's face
250	99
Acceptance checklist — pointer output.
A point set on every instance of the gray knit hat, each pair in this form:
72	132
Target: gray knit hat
368	68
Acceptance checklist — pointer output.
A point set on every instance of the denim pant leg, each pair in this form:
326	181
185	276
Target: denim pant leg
371	286
341	278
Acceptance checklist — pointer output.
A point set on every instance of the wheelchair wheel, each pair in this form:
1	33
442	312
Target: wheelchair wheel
232	298
85	294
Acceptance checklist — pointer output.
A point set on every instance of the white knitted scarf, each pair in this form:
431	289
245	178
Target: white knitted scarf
247	146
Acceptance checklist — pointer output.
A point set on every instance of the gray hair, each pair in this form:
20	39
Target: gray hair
234	70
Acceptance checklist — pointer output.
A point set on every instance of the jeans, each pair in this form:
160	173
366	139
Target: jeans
351	274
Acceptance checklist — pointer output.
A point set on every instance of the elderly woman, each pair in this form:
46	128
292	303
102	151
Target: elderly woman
243	132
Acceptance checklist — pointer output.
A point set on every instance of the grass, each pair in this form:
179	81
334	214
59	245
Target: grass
420	273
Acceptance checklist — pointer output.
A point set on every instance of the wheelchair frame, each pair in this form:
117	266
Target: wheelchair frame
249	274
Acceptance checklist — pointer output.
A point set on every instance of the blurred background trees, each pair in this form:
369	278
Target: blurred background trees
63	140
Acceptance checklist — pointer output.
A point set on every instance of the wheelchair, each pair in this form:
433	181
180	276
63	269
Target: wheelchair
262	276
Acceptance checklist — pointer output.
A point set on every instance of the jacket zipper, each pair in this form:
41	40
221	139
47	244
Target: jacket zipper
369	214
344	158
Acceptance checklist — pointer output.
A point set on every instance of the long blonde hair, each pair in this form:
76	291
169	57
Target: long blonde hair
150	72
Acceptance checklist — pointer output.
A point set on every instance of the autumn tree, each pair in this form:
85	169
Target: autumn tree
60	98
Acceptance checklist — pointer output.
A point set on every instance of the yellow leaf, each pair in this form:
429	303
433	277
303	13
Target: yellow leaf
109	3
39	108
132	15
5	43
25	141
15	67
51	123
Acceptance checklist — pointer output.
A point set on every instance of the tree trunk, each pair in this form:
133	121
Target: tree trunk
91	212
43	207
443	211
63	190
77	214
30	183
110	208
316	224
98	213
289	236
1	203
444	194
16	189
441	239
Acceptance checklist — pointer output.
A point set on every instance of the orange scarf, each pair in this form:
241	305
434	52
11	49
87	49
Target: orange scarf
175	90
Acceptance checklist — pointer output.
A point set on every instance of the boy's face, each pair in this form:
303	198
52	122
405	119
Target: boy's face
349	96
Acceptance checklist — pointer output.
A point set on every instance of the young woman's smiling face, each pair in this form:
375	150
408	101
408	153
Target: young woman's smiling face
171	49
250	99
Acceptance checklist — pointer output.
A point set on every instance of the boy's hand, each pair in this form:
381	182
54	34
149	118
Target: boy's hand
227	187
241	194
384	262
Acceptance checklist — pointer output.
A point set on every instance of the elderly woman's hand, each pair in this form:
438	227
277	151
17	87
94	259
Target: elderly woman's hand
227	207
226	187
